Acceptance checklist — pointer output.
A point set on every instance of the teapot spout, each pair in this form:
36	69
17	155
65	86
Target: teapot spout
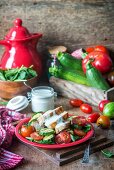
5	43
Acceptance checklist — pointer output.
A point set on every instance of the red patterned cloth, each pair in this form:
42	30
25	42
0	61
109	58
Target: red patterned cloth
8	160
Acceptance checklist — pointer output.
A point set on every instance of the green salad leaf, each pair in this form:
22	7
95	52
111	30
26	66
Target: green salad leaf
18	74
107	153
74	137
86	128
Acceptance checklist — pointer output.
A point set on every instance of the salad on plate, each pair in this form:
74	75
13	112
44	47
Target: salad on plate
55	127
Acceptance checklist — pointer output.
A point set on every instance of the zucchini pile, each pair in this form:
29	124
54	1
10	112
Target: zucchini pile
71	69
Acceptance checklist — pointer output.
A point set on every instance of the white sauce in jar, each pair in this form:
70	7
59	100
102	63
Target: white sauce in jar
42	98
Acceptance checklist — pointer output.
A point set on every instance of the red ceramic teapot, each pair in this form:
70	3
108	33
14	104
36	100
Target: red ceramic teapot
21	48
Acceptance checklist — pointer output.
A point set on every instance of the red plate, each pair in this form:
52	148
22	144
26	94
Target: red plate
51	146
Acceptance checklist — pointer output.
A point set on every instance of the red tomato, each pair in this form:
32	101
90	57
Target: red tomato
101	48
102	104
86	108
103	121
76	102
58	139
93	117
63	137
26	130
79	132
36	136
89	49
80	120
102	61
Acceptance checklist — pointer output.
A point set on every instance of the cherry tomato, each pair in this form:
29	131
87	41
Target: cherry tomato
103	121
79	132
102	104
63	137
80	120
76	102
36	136
86	108
26	130
93	117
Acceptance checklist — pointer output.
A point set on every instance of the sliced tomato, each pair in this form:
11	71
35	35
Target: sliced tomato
63	137
80	120
36	136
58	139
26	130
76	102
79	132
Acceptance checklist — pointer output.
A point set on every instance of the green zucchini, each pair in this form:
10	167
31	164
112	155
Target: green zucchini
46	132
68	61
95	78
70	75
109	110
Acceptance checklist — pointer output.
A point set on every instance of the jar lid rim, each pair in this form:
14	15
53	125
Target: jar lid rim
43	92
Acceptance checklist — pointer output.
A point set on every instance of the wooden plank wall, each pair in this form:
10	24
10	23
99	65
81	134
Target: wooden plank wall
73	23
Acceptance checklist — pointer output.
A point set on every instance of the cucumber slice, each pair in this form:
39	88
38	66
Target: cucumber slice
35	117
45	142
46	132
48	138
31	139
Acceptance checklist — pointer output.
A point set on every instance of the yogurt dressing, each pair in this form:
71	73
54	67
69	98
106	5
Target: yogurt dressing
42	98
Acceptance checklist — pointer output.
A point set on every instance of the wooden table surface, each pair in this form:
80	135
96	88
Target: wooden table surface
37	161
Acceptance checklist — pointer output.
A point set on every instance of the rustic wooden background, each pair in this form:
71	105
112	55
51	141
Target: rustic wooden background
73	23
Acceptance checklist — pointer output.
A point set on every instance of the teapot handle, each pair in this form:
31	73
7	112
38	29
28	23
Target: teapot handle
35	38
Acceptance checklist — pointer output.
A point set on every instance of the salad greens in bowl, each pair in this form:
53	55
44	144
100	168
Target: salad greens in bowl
12	81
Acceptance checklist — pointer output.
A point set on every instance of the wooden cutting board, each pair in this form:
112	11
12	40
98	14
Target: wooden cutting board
67	155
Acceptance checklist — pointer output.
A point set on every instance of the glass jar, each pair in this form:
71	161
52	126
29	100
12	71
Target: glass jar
42	98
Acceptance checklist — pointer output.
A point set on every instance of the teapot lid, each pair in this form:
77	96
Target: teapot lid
18	32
